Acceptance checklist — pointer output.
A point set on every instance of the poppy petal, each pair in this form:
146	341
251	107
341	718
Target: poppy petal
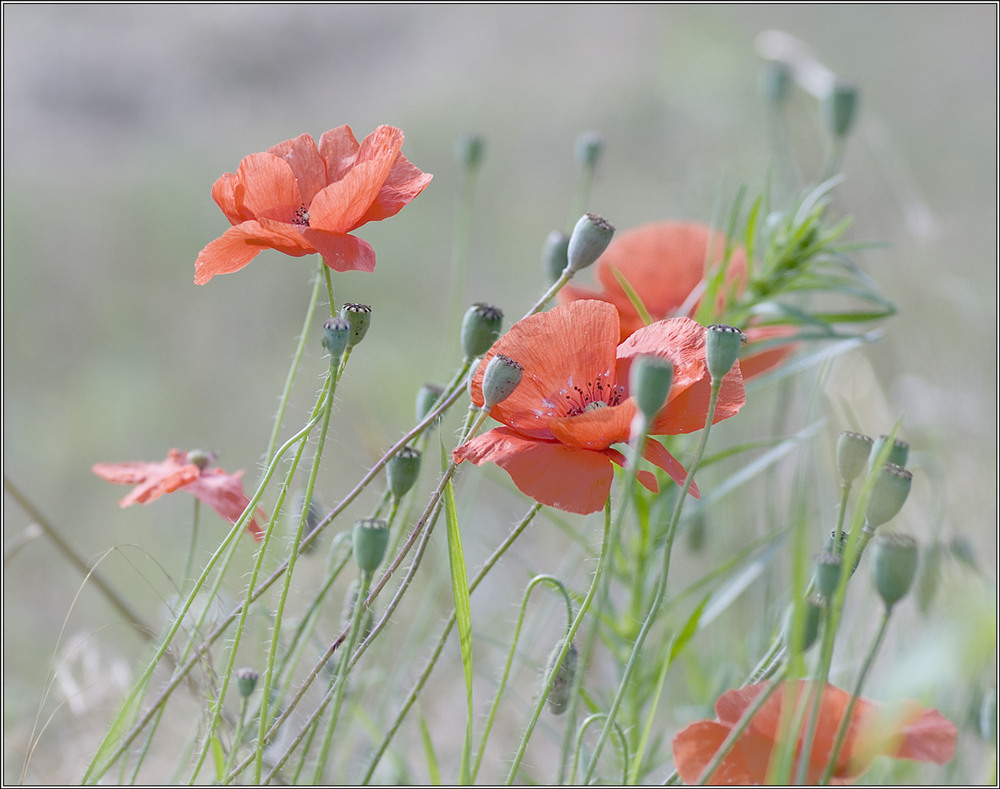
308	167
224	493
404	182
341	252
341	205
647	479
745	764
339	149
242	243
566	347
270	190
573	480
658	455
754	362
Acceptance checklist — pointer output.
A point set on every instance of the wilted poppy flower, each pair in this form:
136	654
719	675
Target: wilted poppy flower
221	491
664	263
573	402
300	198
905	731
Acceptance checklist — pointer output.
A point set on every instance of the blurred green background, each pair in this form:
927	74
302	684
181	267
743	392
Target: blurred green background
118	119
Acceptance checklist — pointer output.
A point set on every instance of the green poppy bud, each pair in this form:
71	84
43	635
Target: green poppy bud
588	241
853	451
722	346
427	398
480	329
360	317
555	254
810	629
649	382
840	106
775	81
894	566
200	458
892	486
469	151
371	536
246	680
500	379
562	684
588	148
402	470
898	455
336	335
827	567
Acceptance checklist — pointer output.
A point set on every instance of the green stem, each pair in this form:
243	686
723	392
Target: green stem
551	674
661	585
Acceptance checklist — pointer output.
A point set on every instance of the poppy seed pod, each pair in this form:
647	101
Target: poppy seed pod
853	451
500	379
371	536
810	629
246	680
898	455
588	148
894	566
722	346
840	106
427	398
200	458
649	382
892	486
555	254
562	684
360	318
588	240
402	470
827	567
469	151
480	329
336	335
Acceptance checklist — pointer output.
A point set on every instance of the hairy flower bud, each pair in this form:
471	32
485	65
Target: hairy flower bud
810	628
360	318
775	80
827	566
314	515
480	329
402	470
500	379
469	150
722	346
589	239
894	566
371	536
853	451
562	684
892	486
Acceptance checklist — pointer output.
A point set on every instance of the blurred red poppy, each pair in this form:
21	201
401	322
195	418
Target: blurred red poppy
665	264
906	731
299	198
573	402
221	491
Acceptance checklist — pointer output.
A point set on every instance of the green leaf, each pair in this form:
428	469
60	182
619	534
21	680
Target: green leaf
632	296
219	757
433	769
463	617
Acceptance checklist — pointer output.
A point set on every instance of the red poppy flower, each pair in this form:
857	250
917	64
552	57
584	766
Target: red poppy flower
221	491
300	198
573	402
907	731
665	263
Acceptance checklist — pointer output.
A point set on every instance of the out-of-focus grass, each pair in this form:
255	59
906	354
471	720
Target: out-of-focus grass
118	119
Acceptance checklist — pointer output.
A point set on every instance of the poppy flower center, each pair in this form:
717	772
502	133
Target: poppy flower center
301	216
574	399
